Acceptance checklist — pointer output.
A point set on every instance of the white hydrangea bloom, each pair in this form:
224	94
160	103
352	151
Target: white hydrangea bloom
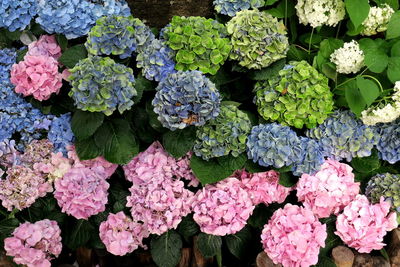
320	12
385	114
349	58
377	20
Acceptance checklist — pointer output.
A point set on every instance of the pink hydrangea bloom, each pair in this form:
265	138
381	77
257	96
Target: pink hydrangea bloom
37	76
22	187
329	190
363	225
264	187
45	46
81	192
108	167
182	170
293	237
222	208
35	244
121	235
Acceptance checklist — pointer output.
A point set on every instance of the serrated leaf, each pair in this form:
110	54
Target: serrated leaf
328	46
239	243
84	124
210	171
209	245
87	149
79	234
329	69
7	226
393	29
179	142
269	72
166	249
358	11
287	179
354	98
72	55
232	163
188	227
366	164
376	60
393	71
369	90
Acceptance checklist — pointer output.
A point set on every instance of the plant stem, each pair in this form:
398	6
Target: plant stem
309	42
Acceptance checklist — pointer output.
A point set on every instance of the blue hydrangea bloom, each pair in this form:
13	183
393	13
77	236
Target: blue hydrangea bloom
74	18
60	133
186	98
311	159
231	7
17	14
343	136
273	145
389	142
156	61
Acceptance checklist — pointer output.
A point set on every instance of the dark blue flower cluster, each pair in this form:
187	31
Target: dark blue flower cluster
186	98
231	7
156	60
389	142
311	158
60	133
17	14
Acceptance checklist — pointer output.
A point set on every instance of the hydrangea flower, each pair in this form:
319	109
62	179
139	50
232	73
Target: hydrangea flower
121	235
81	192
117	35
298	96
389	142
45	46
377	20
34	244
223	208
231	7
385	185
60	133
343	136
156	60
101	85
37	76
329	190
17	14
349	58
200	43
186	98
182	170
383	112
273	145
363	225
320	12
258	39
293	236
226	134
263	187
311	157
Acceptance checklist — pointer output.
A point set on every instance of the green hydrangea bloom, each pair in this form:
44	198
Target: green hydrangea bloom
223	135
258	39
200	43
299	95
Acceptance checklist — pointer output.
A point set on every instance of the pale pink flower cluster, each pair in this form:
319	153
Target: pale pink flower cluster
264	187
121	235
35	244
329	190
363	225
45	46
182	170
82	192
222	208
293	237
158	198
37	74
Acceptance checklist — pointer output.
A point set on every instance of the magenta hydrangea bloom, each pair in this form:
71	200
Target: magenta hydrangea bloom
293	237
223	208
34	244
121	235
81	192
45	46
264	187
363	225
329	190
37	76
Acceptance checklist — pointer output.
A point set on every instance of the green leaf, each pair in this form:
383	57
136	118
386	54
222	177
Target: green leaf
208	172
393	3
270	2
239	243
79	234
328	46
7	226
366	164
72	55
188	227
179	142
232	163
287	179
87	149
369	90
143	84
395	51
393	30
284	9
297	54
84	124
209	245
117	141
166	249
329	69
352	30
376	60
393	71
358	10
269	72
354	98
62	41
21	54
